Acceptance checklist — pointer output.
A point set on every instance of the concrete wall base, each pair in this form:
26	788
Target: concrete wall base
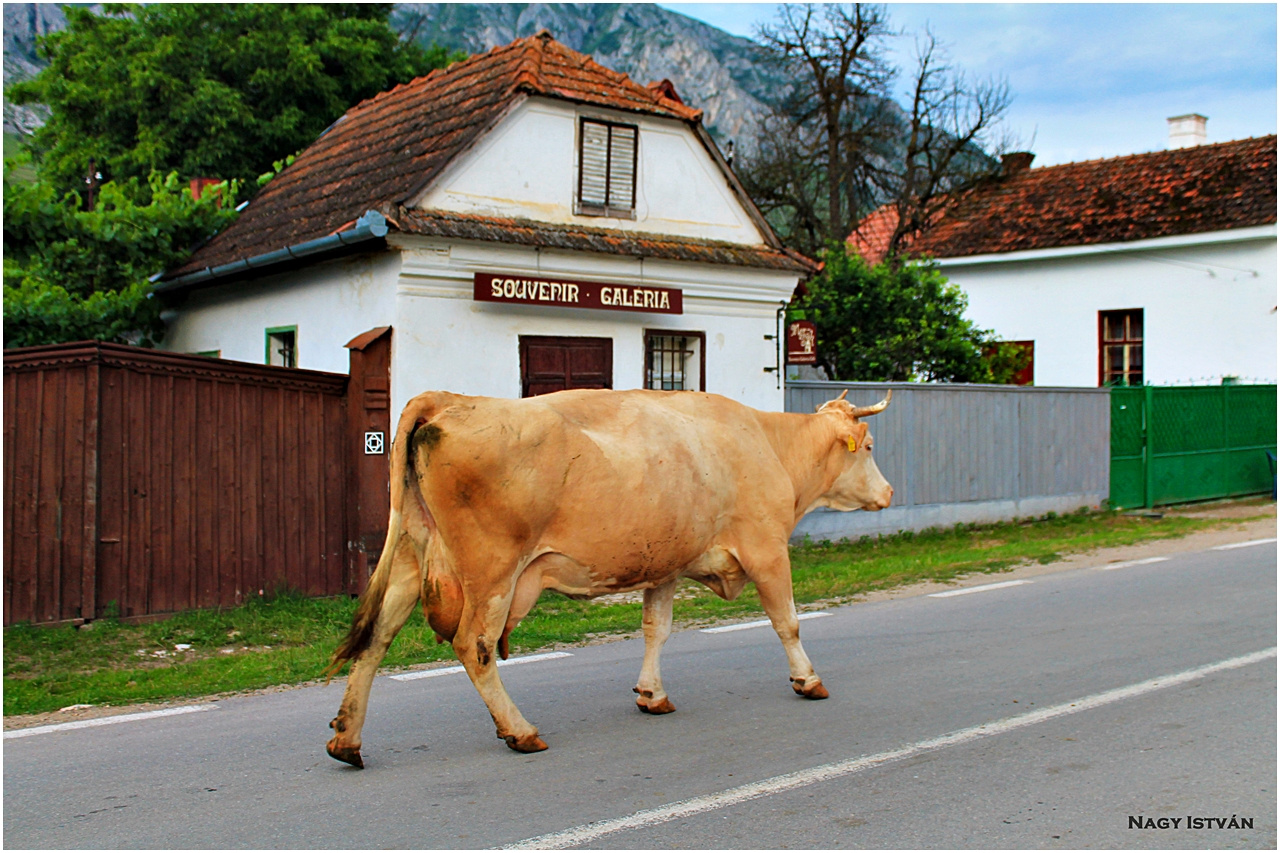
829	525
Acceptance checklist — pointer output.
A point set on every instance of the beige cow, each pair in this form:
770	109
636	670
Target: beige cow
589	493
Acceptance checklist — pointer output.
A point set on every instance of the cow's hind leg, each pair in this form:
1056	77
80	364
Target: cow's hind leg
773	582
398	600
476	644
652	698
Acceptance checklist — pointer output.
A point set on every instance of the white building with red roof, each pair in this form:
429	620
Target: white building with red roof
1152	268
523	221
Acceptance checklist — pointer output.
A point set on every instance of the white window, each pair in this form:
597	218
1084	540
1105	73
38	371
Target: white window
607	169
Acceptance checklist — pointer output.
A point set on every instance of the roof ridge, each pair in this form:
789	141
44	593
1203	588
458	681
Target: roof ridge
1112	159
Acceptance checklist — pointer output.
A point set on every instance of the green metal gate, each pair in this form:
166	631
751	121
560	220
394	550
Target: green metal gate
1171	445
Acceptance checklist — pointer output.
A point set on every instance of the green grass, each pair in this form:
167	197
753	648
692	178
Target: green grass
288	639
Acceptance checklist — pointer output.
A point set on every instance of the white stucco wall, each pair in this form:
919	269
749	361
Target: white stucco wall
330	303
1209	305
527	166
444	340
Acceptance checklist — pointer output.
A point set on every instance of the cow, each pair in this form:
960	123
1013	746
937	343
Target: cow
590	492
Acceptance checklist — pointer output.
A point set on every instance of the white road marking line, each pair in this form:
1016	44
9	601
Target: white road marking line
982	588
1243	544
742	626
107	721
591	832
1127	563
450	670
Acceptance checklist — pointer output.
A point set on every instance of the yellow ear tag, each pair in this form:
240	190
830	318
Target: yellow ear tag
853	445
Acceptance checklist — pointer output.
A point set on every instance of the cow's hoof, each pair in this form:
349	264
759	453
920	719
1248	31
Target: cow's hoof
663	707
347	754
525	743
813	691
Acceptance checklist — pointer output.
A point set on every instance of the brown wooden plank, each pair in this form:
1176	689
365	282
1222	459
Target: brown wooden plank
49	512
160	495
334	493
89	531
21	567
111	494
206	494
229	591
137	529
10	415
292	492
184	453
249	466
272	495
73	494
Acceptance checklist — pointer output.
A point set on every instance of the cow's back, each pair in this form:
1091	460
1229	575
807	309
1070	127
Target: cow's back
618	480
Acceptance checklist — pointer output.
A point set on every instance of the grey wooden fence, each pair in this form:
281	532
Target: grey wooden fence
971	453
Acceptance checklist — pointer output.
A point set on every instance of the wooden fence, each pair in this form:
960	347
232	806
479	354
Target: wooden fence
971	453
142	482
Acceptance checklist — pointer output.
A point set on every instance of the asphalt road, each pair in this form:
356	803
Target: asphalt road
1044	714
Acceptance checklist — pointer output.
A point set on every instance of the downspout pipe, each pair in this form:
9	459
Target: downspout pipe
371	226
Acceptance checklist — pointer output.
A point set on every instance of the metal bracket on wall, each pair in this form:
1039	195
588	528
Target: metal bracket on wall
776	337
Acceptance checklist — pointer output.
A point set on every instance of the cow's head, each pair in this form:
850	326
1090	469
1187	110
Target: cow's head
860	485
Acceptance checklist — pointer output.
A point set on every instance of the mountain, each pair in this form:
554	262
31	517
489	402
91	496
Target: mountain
723	75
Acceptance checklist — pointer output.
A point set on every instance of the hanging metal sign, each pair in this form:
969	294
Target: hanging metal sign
534	290
802	342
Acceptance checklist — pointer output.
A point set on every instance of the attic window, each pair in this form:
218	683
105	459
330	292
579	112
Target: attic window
607	169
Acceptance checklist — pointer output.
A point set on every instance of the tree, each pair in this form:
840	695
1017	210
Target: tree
74	274
899	323
836	146
949	127
206	90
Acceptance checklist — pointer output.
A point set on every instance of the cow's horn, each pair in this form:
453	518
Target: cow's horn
863	411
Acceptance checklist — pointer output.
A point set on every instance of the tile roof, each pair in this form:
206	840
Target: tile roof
1141	196
528	232
388	148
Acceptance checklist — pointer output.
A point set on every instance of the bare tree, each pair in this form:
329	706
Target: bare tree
950	131
837	146
819	151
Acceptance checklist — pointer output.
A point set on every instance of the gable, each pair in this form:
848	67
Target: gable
528	167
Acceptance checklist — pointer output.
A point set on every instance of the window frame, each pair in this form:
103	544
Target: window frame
586	208
275	330
1126	341
701	337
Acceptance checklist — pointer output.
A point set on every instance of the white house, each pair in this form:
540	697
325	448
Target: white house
524	221
1153	268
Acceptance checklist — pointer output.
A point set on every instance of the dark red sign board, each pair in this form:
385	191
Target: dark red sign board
802	342
563	293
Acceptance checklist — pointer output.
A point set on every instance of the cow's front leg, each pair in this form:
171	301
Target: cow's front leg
477	647
773	582
397	602
652	698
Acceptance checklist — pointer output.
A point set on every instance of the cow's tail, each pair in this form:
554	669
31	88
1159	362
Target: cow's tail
417	413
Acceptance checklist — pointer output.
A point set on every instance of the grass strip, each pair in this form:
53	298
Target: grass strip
287	639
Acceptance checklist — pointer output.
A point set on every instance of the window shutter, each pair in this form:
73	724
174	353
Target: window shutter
622	168
594	173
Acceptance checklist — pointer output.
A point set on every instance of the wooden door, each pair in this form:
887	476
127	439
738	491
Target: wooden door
369	443
557	364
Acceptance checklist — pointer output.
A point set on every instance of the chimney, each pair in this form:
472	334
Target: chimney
1015	162
1187	131
198	186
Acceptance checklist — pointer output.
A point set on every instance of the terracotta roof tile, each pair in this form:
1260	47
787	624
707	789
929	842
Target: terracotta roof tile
528	232
387	148
1141	196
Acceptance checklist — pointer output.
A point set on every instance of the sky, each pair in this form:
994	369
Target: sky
1090	80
